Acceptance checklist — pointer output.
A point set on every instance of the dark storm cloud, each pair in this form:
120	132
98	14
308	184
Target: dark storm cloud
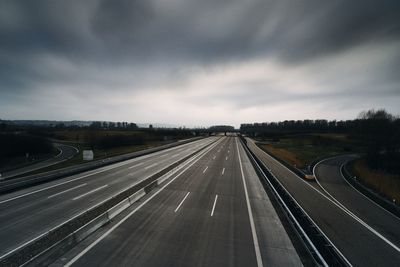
147	43
106	29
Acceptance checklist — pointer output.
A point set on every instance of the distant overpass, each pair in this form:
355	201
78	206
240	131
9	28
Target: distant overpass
213	130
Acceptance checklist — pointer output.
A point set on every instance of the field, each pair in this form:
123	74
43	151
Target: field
302	150
107	143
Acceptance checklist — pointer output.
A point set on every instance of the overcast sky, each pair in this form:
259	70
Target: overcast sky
198	63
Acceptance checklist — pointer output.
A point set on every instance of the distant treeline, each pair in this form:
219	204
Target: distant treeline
12	126
103	139
378	130
113	125
16	145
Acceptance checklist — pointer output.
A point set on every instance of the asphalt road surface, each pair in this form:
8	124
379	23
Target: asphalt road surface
214	213
66	152
358	241
27	213
330	178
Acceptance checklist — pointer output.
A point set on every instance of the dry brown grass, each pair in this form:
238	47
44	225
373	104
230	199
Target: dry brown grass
380	181
284	155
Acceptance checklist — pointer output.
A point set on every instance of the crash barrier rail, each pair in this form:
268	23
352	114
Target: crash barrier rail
77	228
316	242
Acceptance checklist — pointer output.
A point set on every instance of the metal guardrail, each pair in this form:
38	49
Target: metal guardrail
319	246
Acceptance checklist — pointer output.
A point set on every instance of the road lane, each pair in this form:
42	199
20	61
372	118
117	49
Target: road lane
66	152
177	226
358	244
329	177
29	213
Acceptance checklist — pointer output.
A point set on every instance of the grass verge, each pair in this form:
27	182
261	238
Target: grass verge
380	181
302	150
98	155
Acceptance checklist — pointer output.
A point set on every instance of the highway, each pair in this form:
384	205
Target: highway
27	213
66	152
215	212
360	244
330	178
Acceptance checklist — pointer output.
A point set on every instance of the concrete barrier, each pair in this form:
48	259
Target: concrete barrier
92	226
77	228
117	209
136	196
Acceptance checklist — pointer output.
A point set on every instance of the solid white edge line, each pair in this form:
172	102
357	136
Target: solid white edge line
215	202
355	217
388	211
79	214
252	225
77	257
65	191
292	216
313	188
90	192
180	204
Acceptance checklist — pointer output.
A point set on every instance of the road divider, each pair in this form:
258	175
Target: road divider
315	241
180	169
64	236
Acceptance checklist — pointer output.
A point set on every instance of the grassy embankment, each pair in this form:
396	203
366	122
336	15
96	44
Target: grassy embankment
380	181
302	150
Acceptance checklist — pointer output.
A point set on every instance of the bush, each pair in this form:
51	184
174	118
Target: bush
110	141
14	145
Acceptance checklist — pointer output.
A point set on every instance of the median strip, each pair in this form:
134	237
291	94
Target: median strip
62	235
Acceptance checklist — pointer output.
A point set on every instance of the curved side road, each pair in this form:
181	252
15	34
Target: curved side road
66	152
355	241
329	177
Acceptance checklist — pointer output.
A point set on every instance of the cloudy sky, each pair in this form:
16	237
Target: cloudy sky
198	63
